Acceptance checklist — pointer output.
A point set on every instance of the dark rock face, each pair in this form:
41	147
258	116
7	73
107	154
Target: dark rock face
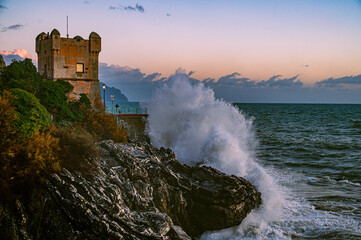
140	193
118	95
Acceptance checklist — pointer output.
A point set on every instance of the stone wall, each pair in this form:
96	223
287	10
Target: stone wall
90	88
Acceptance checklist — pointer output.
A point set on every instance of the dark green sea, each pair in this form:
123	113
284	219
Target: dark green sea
314	152
304	159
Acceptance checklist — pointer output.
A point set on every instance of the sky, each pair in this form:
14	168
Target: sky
292	51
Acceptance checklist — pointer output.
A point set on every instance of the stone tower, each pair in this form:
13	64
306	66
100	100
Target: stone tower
71	59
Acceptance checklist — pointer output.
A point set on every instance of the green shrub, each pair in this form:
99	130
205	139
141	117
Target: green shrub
52	95
77	106
84	100
21	74
32	116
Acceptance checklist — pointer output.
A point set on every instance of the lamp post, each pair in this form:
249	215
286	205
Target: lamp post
116	108
116	111
112	97
104	95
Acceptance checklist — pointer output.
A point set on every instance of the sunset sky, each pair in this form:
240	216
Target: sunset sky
312	40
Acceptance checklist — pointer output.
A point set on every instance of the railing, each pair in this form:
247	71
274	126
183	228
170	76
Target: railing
126	108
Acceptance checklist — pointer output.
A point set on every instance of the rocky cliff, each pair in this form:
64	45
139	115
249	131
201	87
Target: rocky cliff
118	95
139	192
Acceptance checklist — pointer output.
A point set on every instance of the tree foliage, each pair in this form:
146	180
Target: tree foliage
24	159
8	139
21	74
51	94
31	147
77	149
32	116
34	159
103	126
77	107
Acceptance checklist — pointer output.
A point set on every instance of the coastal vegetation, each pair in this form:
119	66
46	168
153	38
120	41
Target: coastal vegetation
42	130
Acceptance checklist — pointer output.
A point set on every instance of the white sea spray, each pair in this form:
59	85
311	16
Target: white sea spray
201	129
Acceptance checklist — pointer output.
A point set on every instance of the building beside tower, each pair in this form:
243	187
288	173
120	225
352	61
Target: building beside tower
71	59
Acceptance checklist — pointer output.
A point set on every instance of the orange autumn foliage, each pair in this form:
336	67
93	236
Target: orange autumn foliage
34	159
24	160
7	127
103	126
77	149
8	137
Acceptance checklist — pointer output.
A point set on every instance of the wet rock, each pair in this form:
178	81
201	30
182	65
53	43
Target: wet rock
140	192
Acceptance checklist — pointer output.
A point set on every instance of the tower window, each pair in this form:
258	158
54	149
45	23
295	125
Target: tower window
80	67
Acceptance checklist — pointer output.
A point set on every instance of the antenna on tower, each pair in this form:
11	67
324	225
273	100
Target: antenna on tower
67	27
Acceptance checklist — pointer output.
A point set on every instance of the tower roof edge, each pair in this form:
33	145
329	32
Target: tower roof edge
94	35
55	32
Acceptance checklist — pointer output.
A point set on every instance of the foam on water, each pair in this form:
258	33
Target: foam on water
203	130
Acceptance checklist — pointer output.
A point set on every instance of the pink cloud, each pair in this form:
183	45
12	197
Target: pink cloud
23	53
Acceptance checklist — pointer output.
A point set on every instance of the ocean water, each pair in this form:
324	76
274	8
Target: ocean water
314	151
304	159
